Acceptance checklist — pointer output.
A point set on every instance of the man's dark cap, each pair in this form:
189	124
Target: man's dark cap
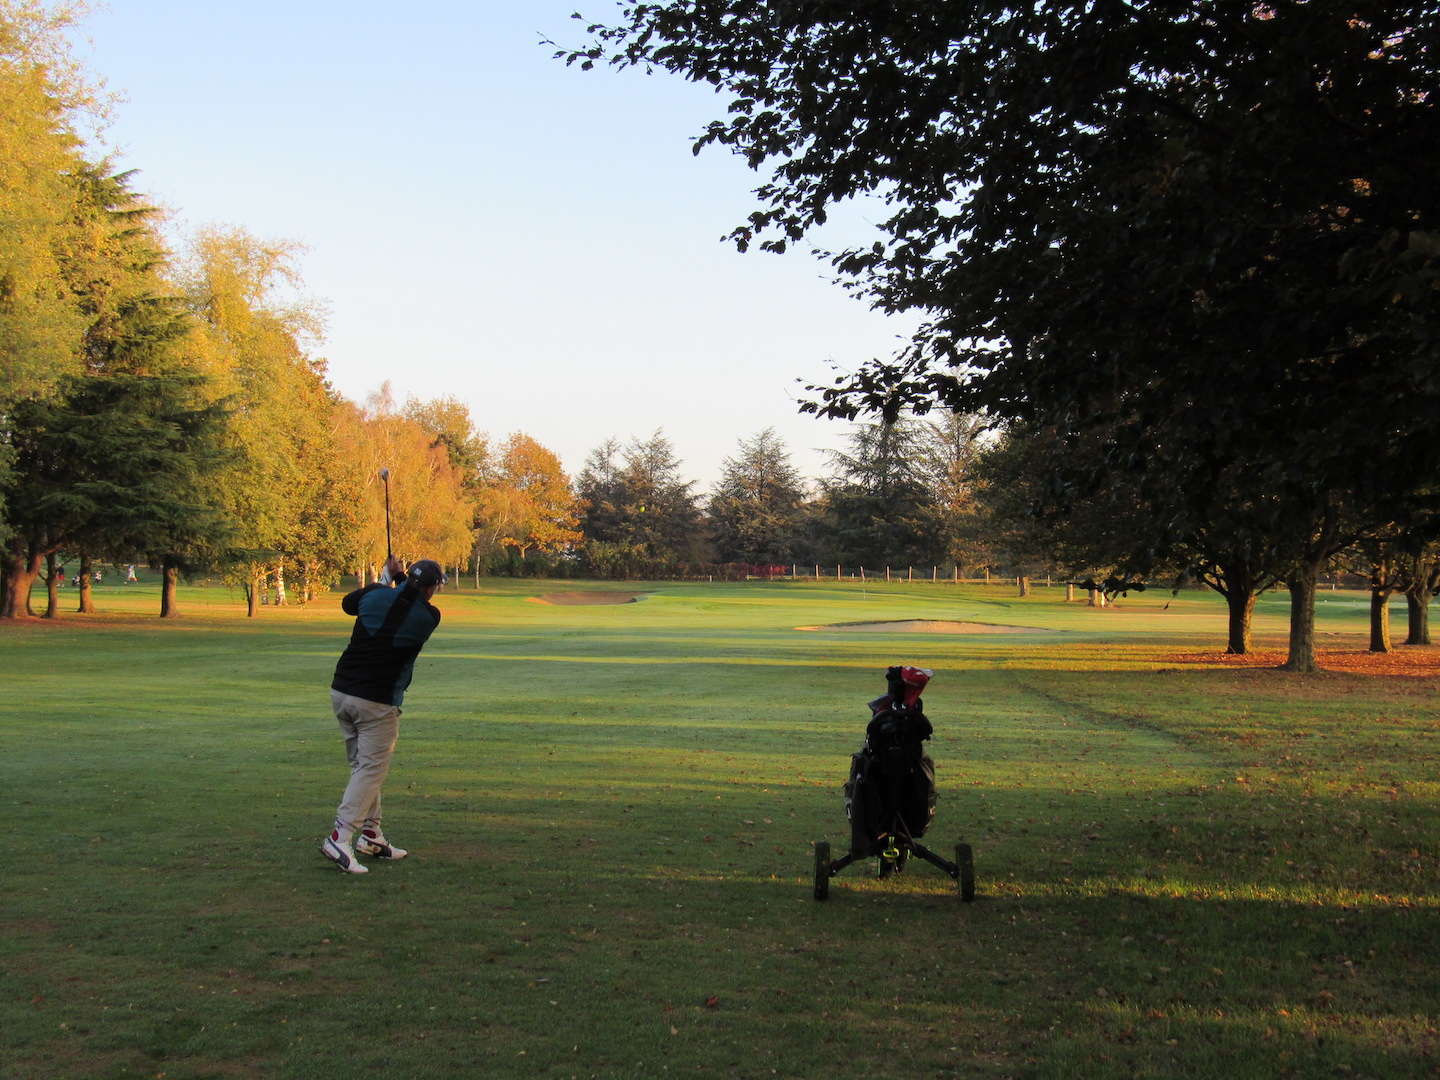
425	573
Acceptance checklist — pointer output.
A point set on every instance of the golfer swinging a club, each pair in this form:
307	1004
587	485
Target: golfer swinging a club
391	627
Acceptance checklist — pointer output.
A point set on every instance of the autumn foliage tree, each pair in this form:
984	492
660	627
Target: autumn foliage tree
252	337
540	508
431	507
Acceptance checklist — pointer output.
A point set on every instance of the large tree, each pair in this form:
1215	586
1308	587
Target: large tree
951	444
431	507
84	449
877	509
251	336
541	509
638	514
1205	229
117	463
448	422
41	104
759	508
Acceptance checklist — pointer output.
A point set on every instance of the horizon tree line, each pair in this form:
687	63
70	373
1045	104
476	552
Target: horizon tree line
168	407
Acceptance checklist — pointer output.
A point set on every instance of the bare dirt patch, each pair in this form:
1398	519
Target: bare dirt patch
932	626
574	598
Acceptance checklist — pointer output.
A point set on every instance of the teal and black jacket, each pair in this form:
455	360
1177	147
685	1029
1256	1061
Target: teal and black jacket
391	627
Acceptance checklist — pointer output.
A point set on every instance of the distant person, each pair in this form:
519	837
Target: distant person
95	577
130	574
391	627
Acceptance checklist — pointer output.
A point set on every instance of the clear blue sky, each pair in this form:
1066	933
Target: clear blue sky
484	222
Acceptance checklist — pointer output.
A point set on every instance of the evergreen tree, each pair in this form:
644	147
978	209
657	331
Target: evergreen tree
120	463
639	515
758	511
82	450
951	444
878	510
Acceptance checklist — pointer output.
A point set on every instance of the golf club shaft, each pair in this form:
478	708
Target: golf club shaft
389	549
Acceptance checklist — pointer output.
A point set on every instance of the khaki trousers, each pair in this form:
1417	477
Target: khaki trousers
370	730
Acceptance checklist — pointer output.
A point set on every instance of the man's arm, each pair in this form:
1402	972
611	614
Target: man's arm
393	571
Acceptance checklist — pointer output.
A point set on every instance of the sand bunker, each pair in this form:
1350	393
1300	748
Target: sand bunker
931	626
572	598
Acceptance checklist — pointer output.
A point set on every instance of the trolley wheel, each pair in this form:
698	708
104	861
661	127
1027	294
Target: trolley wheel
822	869
965	860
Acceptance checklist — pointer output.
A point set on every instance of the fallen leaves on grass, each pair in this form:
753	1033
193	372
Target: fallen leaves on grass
1416	661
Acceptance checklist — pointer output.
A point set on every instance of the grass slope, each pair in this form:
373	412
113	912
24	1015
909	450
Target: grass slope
1184	868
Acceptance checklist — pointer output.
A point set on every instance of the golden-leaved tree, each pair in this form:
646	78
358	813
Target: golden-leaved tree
431	509
251	335
530	498
40	326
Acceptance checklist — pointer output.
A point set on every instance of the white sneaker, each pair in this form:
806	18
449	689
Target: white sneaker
342	856
379	847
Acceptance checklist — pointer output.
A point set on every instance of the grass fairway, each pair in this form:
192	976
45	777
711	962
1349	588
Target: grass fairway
1186	868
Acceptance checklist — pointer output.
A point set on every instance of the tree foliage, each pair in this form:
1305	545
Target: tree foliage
877	507
540	510
637	510
431	507
759	509
40	160
250	338
110	465
1204	231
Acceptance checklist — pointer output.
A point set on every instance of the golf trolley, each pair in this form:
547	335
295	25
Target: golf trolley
890	794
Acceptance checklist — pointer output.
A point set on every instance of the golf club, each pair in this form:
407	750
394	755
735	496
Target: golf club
385	476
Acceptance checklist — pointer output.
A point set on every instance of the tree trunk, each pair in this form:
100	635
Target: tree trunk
1302	621
21	572
1380	620
252	596
1024	585
280	598
1241	605
1417	605
169	575
87	597
1069	592
52	588
1418	618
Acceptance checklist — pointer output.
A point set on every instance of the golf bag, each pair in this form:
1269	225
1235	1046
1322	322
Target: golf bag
891	788
890	793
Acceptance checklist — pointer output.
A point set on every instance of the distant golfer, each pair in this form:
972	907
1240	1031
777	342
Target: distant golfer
391	627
